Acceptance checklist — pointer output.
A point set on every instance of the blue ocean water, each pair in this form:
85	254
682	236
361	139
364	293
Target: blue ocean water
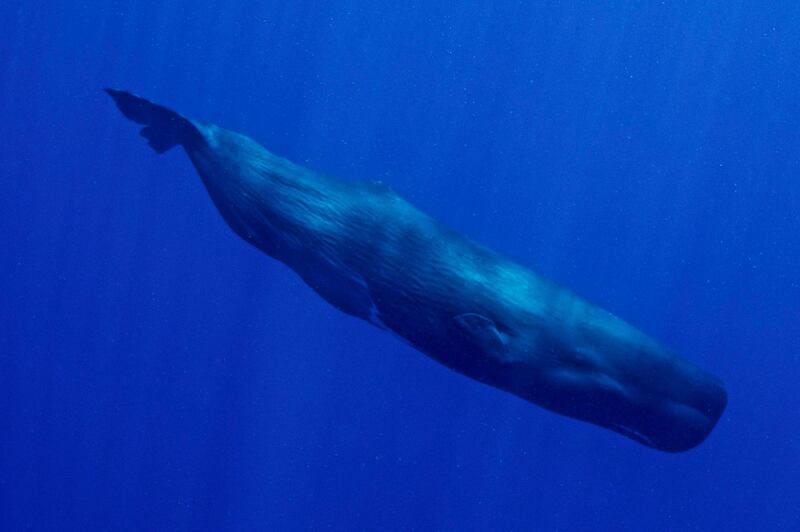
157	373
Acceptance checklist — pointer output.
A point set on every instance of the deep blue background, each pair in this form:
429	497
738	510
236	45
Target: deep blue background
156	373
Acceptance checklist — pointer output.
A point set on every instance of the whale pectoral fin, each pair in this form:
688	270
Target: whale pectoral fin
481	332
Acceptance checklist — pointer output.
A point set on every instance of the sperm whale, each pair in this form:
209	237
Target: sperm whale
373	255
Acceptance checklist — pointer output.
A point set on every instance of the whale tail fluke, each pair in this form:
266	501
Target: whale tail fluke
164	128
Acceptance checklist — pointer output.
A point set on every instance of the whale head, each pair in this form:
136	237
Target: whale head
611	375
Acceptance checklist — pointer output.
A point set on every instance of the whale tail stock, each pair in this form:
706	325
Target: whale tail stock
164	128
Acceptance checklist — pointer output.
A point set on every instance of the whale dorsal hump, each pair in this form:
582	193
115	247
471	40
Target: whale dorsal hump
481	332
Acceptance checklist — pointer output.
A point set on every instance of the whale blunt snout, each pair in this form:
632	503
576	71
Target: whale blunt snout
677	418
673	409
664	400
686	422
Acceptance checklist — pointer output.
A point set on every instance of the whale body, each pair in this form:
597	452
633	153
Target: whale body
373	255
